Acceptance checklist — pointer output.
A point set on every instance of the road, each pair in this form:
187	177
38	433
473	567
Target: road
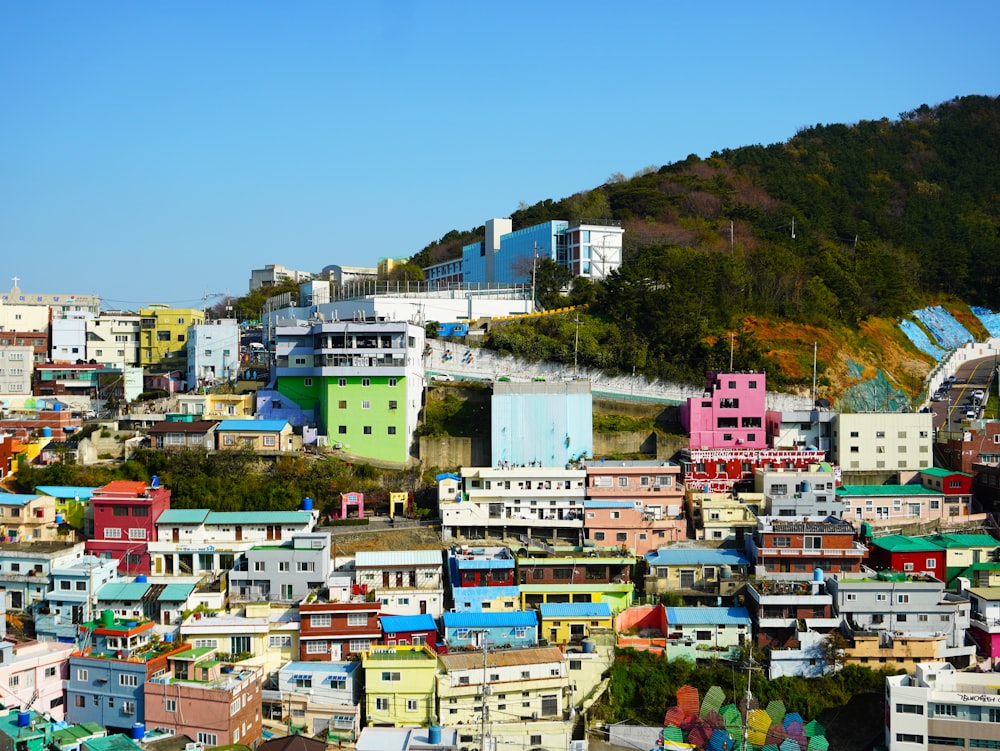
975	374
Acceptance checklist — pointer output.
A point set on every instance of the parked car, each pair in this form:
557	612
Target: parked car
978	395
442	377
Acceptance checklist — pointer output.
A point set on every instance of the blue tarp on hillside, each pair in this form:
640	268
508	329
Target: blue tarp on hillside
948	332
916	335
989	319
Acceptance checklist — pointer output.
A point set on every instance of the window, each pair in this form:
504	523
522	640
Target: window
393	404
598	536
82	674
342	429
79	701
259	566
208	739
392	382
112	532
366	404
813	542
128	707
382	704
909	738
303	681
281	640
359	645
239	645
319	647
128	679
782	542
367	430
412	705
342	404
902	598
305	566
170	705
357	619
621	536
391	430
50	672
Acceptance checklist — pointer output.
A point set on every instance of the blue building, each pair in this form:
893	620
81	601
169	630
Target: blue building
68	603
493	599
544	424
107	675
501	630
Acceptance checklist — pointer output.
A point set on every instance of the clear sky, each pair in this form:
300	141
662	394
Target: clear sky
159	151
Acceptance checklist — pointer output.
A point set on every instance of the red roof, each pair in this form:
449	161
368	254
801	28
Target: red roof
129	487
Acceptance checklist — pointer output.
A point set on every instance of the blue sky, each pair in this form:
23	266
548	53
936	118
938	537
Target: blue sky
159	151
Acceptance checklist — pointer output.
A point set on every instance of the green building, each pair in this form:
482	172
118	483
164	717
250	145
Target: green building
362	382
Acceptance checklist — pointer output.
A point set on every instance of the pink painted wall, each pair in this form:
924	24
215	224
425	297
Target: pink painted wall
731	414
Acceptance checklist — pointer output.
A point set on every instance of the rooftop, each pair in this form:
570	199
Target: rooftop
885	490
905	544
397	623
703	556
574	610
397	558
513	618
713	616
251	426
501	658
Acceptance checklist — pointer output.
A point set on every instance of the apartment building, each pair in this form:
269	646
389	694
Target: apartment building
163	336
406	582
794	548
125	515
888	442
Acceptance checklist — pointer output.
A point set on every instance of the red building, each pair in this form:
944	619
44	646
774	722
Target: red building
125	514
956	486
798	547
412	630
331	631
902	553
722	470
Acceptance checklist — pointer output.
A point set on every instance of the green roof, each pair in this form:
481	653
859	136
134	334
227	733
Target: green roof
413	655
939	472
183	516
74	733
194	654
176	593
122	591
960	540
905	544
885	490
116	742
258	517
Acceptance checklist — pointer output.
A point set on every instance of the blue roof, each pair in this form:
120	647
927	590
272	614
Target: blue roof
708	616
66	491
575	610
702	556
609	504
394	624
17	499
243	426
490	620
183	516
447	476
127	591
175	593
472	598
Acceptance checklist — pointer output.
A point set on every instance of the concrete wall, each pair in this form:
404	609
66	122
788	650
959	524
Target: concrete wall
446	452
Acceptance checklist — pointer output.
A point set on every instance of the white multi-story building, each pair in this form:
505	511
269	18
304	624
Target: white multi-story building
937	707
811	492
59	303
542	503
274	274
213	352
199	541
69	337
406	582
113	338
16	368
890	442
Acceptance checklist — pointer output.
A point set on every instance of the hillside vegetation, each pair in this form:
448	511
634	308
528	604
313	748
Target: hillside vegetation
760	251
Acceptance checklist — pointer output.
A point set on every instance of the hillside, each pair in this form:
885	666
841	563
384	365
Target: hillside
829	237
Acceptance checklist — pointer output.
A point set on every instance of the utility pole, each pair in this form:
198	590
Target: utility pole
482	731
815	346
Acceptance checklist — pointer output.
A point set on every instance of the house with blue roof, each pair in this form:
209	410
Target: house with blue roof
696	573
261	436
480	567
404	630
715	632
572	622
323	698
71	503
501	630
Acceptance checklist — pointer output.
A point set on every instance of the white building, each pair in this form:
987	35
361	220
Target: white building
544	503
199	541
938	706
59	303
213	352
406	582
274	274
69	337
16	368
890	442
113	338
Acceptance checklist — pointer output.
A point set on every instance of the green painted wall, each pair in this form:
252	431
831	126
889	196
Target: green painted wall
357	414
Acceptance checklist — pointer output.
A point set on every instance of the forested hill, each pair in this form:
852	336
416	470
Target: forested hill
836	226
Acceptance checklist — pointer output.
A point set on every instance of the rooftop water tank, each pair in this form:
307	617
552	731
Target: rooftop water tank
588	646
307	504
434	735
23	718
141	579
154	481
47	432
817	574
138	731
107	618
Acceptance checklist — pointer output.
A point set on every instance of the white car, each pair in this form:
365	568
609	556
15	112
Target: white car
978	395
442	377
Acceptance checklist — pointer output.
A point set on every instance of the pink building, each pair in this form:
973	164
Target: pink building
731	413
639	505
37	669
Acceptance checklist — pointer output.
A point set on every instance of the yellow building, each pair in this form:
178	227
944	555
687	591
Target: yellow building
163	335
399	685
212	406
261	636
895	652
572	622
